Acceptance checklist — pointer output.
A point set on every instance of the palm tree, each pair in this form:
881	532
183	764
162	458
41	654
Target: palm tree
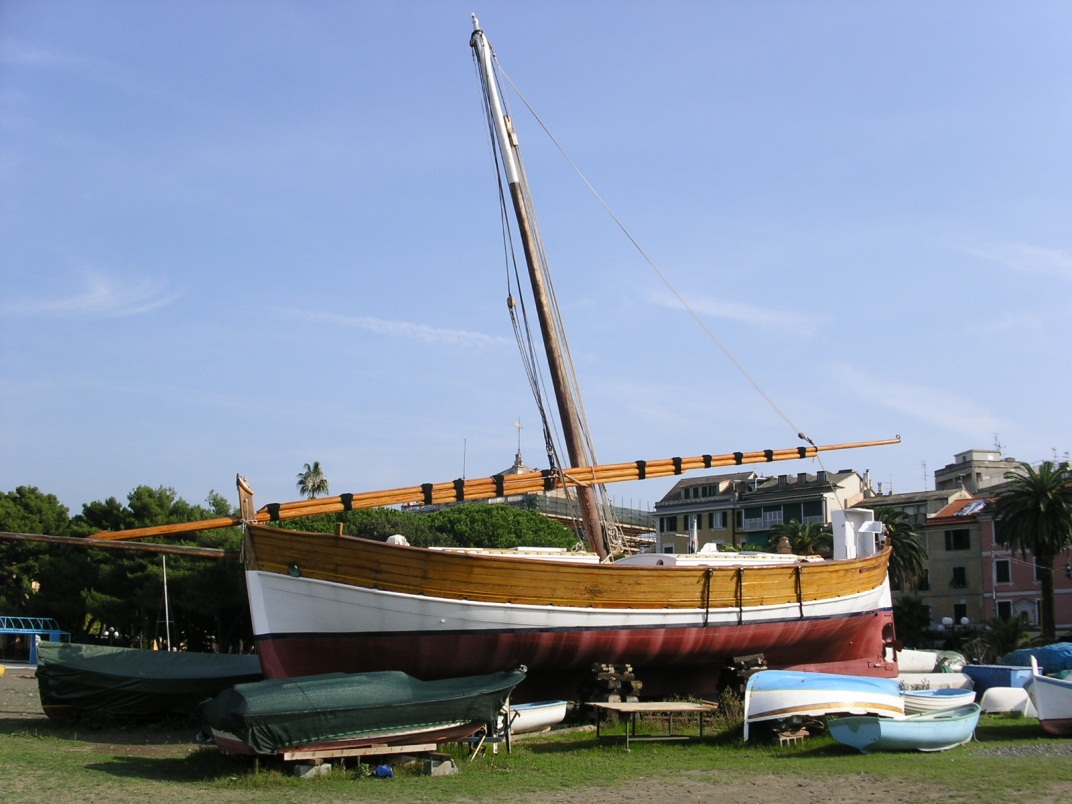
908	559
804	539
911	618
312	482
1034	514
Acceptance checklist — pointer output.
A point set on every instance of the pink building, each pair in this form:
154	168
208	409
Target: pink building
970	575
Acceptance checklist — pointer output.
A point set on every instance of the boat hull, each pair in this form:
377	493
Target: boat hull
777	696
930	731
1052	699
333	604
528	718
985	676
75	680
917	701
1008	699
341	712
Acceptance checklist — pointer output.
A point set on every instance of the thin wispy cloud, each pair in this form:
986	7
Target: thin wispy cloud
97	296
401	329
935	406
741	313
1027	259
16	55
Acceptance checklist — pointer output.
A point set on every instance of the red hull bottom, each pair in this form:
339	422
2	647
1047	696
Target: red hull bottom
1059	727
668	660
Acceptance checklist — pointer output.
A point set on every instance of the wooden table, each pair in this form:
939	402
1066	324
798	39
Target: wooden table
668	708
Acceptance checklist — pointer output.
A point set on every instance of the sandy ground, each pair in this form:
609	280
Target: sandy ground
20	711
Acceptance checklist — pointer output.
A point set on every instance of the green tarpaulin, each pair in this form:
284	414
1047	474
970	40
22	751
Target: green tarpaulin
127	682
274	715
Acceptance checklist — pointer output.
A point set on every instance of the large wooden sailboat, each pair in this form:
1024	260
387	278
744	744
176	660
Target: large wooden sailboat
325	602
321	602
328	602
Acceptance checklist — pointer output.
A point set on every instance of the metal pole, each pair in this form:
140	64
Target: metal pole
167	613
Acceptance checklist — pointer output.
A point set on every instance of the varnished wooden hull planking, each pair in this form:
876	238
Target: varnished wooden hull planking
322	603
493	579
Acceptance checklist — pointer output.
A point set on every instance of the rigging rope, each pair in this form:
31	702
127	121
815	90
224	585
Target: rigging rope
658	271
666	281
612	533
521	325
522	334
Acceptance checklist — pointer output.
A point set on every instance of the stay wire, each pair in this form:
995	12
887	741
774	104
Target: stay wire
662	276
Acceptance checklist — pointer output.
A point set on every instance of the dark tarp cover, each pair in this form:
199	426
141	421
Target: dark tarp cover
128	682
273	715
1051	658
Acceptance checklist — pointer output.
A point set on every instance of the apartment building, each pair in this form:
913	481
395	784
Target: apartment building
973	575
739	510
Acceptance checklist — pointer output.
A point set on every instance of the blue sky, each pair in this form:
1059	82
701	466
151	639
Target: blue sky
243	236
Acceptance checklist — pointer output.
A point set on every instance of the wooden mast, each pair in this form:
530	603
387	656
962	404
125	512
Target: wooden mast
572	430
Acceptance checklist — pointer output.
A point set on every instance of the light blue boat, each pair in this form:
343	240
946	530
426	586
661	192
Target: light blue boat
780	696
927	731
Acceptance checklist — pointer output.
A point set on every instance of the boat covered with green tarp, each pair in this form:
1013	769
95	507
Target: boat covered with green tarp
353	710
130	683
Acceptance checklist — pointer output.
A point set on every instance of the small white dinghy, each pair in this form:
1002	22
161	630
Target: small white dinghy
528	718
936	681
917	701
1008	699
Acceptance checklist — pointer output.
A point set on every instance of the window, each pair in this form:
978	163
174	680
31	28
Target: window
1005	609
957	539
667	524
669	548
925	581
960	577
960	611
1002	571
716	521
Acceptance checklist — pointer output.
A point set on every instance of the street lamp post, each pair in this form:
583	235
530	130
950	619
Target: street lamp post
955	627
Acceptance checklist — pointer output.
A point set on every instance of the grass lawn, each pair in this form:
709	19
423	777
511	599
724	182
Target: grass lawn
1012	759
